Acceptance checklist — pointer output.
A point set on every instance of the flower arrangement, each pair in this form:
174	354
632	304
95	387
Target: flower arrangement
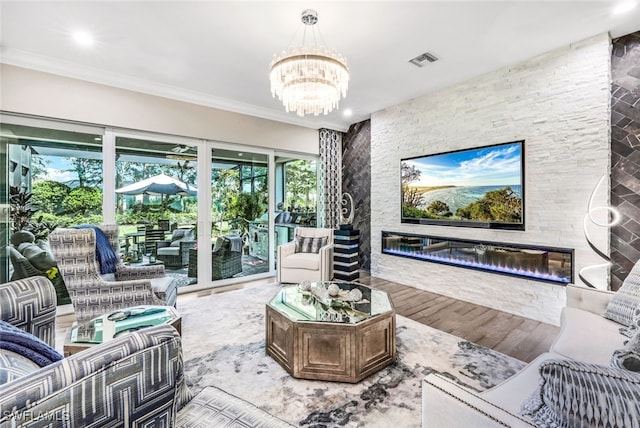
333	303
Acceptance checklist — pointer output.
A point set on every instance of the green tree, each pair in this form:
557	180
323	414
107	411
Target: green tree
48	195
39	167
439	208
89	171
411	197
244	208
23	211
83	200
185	172
502	205
413	212
225	186
300	183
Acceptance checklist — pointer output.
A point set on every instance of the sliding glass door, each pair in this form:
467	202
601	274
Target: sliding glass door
240	244
50	178
156	203
171	197
295	195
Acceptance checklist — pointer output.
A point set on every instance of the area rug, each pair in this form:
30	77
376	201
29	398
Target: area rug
223	341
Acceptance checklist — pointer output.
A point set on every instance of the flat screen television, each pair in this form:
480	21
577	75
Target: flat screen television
478	187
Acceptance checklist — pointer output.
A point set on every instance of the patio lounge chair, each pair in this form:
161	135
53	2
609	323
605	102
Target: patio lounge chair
174	253
226	258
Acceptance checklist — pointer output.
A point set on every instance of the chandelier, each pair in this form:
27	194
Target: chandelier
309	79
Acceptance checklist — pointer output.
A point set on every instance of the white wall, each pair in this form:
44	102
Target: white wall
559	104
42	94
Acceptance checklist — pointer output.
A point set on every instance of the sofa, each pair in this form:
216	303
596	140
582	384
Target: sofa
582	352
33	258
133	380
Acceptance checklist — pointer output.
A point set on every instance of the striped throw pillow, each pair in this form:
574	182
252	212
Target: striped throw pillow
623	303
307	244
577	394
628	357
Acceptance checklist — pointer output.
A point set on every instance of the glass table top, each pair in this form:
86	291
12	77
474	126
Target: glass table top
331	302
112	325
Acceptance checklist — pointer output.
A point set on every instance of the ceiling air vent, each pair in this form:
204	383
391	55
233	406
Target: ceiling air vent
423	59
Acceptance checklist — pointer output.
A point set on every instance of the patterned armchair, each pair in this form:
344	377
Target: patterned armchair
94	294
30	304
132	380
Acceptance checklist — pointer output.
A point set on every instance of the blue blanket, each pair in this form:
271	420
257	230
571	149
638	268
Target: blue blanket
106	257
27	345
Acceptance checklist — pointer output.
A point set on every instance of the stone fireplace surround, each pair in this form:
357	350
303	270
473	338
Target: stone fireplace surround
559	103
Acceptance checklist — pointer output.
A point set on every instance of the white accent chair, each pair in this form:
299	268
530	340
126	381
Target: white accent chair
299	266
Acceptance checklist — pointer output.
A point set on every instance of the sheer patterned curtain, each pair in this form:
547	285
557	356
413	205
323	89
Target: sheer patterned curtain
330	181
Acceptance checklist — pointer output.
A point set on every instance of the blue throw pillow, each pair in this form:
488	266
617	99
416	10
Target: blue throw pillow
25	344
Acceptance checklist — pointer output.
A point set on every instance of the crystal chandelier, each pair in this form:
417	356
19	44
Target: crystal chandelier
309	79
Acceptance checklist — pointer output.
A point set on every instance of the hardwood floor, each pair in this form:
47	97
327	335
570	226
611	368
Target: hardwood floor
519	337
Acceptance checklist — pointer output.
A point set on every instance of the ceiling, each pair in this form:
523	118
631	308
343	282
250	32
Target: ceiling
217	53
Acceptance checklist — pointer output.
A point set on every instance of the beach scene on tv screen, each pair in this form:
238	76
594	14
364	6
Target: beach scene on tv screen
475	185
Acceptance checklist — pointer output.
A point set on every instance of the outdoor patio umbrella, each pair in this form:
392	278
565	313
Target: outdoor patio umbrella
159	185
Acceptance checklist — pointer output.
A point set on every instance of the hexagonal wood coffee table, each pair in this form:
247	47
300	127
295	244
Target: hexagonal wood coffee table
308	346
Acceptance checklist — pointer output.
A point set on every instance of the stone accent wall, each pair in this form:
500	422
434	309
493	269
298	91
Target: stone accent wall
625	155
559	103
356	180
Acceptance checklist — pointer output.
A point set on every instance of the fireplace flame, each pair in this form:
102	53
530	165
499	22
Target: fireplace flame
456	261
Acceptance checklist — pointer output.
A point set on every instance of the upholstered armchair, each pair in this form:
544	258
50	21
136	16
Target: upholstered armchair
133	380
94	293
309	257
30	305
175	252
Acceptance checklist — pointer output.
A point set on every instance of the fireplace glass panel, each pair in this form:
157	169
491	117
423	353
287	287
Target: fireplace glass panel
538	263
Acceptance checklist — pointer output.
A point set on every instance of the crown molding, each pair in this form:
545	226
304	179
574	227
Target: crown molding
20	58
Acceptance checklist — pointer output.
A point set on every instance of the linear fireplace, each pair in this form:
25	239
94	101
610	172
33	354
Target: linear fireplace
549	264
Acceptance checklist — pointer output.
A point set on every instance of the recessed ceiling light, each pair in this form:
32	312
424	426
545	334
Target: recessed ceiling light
624	7
347	112
83	38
